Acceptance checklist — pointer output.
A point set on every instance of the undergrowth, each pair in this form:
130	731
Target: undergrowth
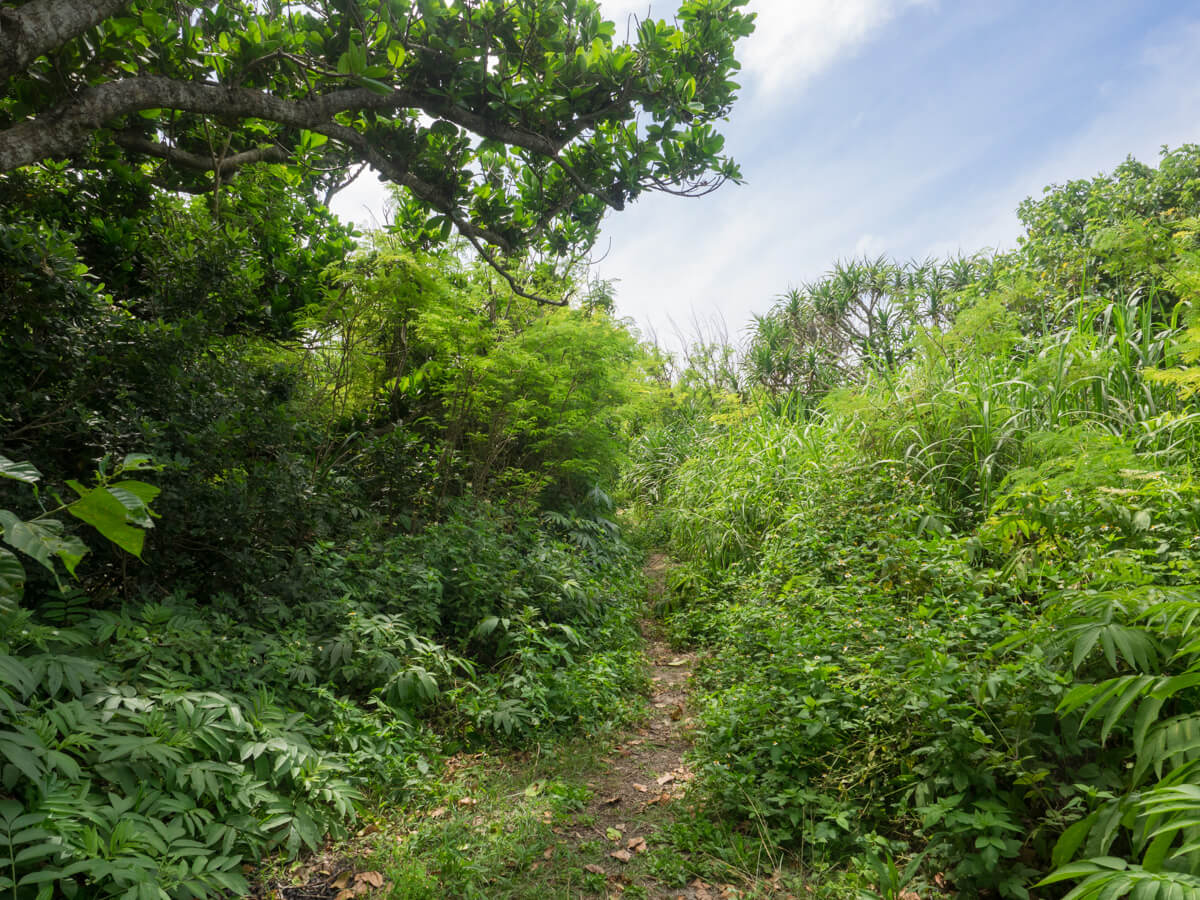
950	590
154	748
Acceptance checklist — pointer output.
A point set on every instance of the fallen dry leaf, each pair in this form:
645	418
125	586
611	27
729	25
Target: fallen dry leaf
438	813
594	869
342	880
374	879
612	801
637	845
909	895
640	788
347	894
533	867
370	829
666	779
622	855
549	853
677	662
467	801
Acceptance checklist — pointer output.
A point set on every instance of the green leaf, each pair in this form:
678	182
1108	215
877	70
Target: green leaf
375	86
19	471
42	540
311	140
353	61
12	575
108	515
487	626
1070	840
135	462
37	851
136	497
21	757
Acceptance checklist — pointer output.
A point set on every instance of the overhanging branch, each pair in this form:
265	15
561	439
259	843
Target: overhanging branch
64	129
435	198
36	28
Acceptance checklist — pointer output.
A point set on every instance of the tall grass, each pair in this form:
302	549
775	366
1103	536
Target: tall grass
866	554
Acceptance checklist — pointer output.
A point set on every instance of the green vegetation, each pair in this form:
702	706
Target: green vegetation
345	509
944	550
364	555
308	538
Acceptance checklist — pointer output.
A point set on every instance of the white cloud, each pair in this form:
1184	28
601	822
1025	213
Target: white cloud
796	40
793	40
925	186
1162	107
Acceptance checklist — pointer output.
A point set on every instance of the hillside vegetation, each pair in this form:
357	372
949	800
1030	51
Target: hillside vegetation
343	540
311	537
940	536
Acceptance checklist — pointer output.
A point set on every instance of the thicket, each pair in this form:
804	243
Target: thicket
287	515
943	546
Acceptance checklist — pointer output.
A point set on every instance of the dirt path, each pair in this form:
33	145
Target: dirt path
645	775
646	767
584	821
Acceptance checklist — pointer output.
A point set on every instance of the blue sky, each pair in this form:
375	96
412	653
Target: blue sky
898	127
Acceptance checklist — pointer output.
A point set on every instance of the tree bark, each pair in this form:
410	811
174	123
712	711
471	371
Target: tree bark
222	166
64	129
44	25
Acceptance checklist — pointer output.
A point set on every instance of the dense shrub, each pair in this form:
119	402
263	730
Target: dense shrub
952	604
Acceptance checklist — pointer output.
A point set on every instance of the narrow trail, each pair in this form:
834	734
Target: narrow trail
583	820
646	767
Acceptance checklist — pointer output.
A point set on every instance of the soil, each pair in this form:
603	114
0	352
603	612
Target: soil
646	767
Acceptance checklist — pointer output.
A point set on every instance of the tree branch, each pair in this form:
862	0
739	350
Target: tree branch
64	129
198	162
395	172
45	25
435	198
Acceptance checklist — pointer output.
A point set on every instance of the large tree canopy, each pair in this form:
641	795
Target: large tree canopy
517	122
